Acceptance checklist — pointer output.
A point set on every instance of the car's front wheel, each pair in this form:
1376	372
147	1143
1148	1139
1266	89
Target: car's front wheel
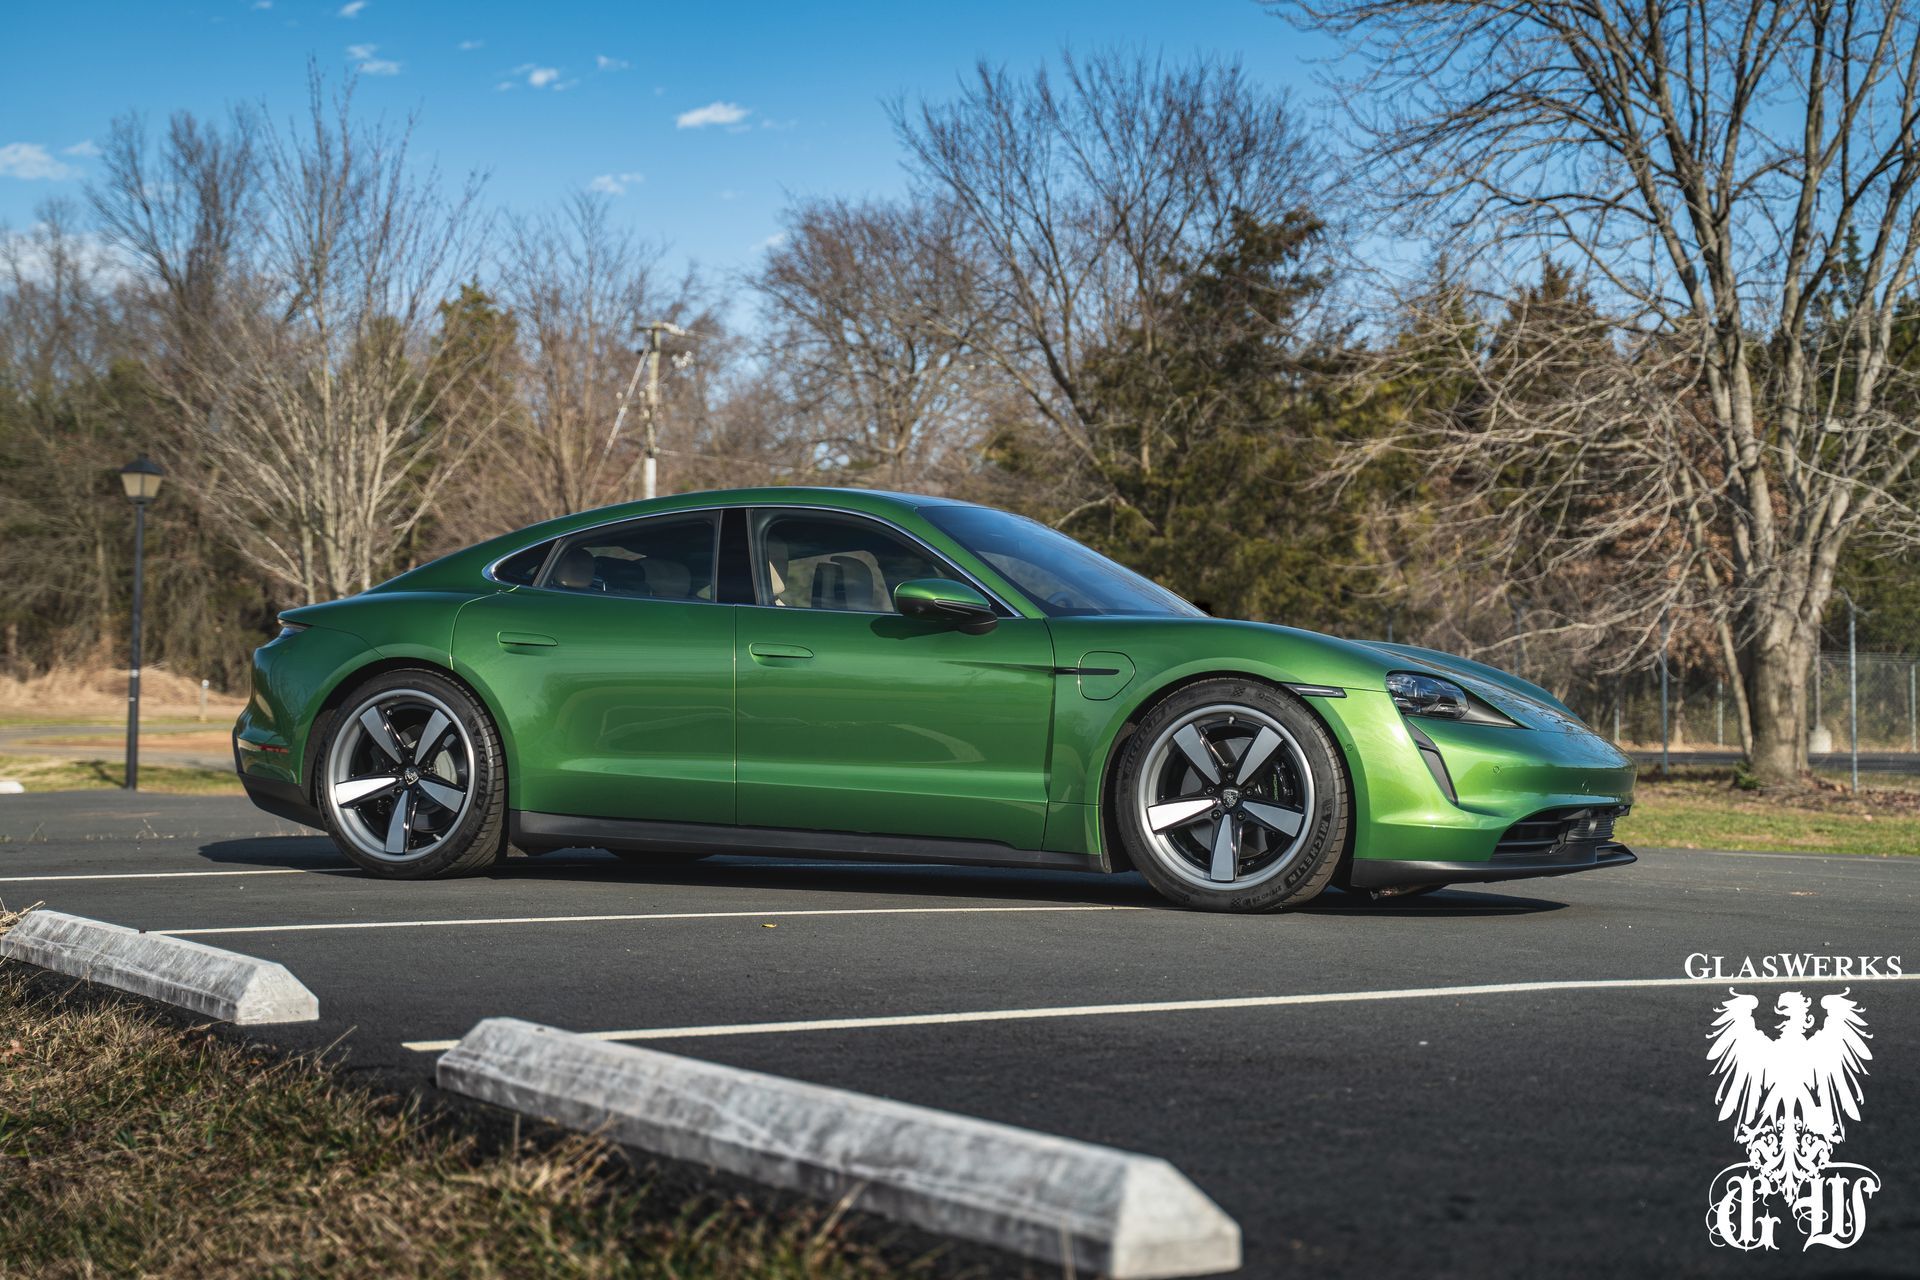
413	780
1231	796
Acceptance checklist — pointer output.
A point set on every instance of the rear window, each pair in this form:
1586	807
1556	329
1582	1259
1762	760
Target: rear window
522	567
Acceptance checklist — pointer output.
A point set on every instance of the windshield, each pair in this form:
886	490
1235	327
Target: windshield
1064	578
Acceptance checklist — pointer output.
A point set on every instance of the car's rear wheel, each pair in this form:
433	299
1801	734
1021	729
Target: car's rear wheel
413	780
1232	797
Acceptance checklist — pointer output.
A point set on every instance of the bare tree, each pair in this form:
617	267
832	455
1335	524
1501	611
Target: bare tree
1088	202
581	289
1738	181
871	319
298	370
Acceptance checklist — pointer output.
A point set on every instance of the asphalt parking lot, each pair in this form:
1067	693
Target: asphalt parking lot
1320	1074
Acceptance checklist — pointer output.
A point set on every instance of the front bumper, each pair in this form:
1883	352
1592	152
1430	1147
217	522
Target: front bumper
1412	873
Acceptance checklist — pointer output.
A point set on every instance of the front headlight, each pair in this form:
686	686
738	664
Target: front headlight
1418	695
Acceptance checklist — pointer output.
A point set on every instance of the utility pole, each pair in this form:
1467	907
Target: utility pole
650	362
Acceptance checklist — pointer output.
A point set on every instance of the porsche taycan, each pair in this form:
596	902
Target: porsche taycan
854	674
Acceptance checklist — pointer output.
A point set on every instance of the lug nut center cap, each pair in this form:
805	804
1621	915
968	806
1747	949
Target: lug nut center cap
410	776
1230	797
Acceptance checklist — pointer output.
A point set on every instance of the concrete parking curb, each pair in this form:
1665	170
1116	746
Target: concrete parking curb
220	984
1092	1208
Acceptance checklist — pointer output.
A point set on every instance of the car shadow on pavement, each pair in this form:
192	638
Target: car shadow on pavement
938	880
318	854
1440	903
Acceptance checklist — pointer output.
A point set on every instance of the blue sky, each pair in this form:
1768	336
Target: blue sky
702	118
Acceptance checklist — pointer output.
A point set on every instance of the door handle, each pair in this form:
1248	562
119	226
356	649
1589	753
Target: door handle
760	650
525	639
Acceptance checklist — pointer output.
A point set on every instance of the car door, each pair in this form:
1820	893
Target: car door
854	718
614	674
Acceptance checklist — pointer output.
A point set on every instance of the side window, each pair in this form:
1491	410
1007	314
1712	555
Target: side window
522	567
810	561
659	559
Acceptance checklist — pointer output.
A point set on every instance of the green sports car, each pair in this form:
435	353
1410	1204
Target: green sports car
850	674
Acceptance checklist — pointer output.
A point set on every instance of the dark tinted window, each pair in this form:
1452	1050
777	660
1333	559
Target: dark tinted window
662	559
522	567
1060	575
810	561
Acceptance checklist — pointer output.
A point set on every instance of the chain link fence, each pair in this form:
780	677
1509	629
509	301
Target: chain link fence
1863	713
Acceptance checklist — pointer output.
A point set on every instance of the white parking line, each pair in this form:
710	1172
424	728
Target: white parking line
658	915
1163	1006
171	875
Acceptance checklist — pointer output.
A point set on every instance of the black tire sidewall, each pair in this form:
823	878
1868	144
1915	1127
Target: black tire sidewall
478	840
1325	843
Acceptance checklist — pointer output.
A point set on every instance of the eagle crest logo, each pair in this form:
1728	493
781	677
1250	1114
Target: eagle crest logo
1790	1094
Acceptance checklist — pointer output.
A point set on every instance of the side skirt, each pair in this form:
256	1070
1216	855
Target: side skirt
566	831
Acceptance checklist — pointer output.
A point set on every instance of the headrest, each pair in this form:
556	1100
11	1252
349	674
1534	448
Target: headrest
842	582
574	570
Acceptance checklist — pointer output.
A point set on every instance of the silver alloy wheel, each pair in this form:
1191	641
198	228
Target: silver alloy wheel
1226	797
399	775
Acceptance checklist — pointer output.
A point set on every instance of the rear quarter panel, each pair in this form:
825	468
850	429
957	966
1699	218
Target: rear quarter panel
295	677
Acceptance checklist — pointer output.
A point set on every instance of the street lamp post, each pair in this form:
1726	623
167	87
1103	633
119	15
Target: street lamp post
141	479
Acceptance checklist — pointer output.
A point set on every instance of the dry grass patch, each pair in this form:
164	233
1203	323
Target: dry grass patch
85	693
50	773
129	1146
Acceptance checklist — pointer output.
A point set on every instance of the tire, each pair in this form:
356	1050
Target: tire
1239	754
453	784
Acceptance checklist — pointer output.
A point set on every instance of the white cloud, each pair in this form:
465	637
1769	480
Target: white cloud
31	253
468	46
537	76
712	113
85	149
773	241
263	4
615	184
505	85
604	63
370	65
30	160
352	8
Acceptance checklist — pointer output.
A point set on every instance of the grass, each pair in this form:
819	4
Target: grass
129	1146
49	773
1703	810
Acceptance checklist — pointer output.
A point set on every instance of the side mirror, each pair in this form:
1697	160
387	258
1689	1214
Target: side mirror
943	600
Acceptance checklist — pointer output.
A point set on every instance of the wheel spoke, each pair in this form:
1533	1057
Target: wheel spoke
1199	754
443	795
1272	816
354	790
1259	754
437	725
1177	813
375	723
397	827
1223	858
